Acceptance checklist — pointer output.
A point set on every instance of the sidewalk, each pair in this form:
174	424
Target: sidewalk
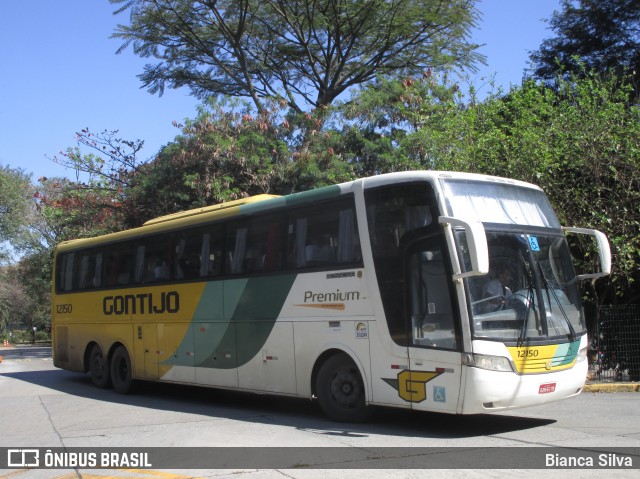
606	383
611	387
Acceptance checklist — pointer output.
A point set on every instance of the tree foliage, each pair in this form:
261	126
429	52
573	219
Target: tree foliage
67	210
395	125
15	203
230	151
303	50
591	35
25	294
109	167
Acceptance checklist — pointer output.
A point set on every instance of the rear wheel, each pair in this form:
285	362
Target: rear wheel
340	390
99	367
121	374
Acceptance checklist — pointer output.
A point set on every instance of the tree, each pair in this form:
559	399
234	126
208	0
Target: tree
302	50
15	202
99	204
581	143
599	35
68	210
112	160
25	293
230	152
398	123
14	302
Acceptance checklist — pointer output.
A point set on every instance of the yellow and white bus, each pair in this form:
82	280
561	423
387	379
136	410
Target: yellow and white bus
435	291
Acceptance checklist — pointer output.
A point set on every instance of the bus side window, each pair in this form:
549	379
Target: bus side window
323	235
274	246
255	245
430	300
124	269
65	272
118	265
237	247
152	260
211	251
187	255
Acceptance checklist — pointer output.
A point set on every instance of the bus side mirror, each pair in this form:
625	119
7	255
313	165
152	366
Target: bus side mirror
476	243
603	250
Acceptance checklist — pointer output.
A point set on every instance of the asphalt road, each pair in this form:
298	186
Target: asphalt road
44	407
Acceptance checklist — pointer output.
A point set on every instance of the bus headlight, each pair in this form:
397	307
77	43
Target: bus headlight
491	363
582	355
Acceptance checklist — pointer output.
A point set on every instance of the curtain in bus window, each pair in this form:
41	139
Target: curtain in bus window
139	271
179	271
301	242
97	276
498	210
239	250
68	272
346	244
205	254
83	272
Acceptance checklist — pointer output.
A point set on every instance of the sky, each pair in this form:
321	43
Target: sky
59	73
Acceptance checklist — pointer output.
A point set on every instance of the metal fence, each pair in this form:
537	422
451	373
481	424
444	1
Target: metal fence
614	349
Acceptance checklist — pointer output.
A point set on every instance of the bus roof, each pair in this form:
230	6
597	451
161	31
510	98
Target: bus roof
406	176
208	209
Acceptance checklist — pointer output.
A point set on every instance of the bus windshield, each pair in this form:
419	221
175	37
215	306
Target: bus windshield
531	291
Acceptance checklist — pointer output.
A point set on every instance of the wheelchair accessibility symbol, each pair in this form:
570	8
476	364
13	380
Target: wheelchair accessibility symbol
439	394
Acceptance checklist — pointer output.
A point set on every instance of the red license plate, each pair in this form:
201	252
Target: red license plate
547	388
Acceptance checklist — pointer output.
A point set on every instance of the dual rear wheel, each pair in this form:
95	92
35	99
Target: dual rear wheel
113	371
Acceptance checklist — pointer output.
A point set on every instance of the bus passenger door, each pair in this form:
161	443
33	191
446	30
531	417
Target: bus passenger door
433	379
165	351
146	351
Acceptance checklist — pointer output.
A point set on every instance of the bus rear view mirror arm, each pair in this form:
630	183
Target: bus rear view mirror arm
604	250
477	243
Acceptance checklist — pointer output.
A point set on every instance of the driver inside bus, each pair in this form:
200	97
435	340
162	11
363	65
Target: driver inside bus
497	288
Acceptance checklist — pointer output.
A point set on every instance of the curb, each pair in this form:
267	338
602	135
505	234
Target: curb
612	388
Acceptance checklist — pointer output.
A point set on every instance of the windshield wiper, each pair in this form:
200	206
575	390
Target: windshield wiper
530	306
552	292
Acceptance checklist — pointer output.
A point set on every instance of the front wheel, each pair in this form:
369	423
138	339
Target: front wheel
121	374
340	390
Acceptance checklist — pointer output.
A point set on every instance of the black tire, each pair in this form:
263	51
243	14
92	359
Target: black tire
99	369
340	390
121	373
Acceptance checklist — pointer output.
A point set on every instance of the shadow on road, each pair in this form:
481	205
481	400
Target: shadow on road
299	413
